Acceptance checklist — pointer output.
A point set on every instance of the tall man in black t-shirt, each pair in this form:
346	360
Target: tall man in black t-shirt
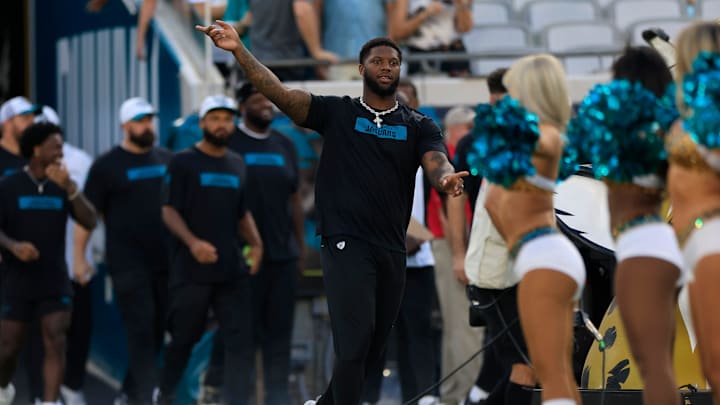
273	176
371	152
274	201
16	115
34	206
125	185
205	208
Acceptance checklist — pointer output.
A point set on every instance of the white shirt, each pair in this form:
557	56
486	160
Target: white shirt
78	163
424	256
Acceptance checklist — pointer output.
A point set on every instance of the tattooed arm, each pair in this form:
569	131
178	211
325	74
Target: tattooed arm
295	103
442	174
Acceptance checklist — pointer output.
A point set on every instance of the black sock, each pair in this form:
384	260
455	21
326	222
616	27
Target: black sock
516	394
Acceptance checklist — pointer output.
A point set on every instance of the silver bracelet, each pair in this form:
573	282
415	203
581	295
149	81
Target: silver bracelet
75	194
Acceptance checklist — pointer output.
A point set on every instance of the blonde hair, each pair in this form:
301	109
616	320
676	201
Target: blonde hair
538	83
698	37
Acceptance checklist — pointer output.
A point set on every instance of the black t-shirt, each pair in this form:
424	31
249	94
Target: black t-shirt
126	188
366	177
26	215
209	194
272	176
10	162
473	181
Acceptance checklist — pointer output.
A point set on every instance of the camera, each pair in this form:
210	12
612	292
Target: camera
476	317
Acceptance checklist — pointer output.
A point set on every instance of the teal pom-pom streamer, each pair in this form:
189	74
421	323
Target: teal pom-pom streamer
618	129
505	136
701	95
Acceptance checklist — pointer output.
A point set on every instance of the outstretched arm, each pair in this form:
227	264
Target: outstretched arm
295	103
441	173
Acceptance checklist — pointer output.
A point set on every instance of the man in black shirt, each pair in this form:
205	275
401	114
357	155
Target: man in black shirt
16	115
125	185
205	208
34	206
274	201
372	149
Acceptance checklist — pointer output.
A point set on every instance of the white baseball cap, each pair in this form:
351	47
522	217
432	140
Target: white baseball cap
48	114
135	109
217	102
17	106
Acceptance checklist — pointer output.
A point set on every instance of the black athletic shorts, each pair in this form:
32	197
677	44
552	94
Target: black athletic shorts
25	309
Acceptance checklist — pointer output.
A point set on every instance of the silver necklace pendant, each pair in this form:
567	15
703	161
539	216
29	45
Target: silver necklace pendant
40	184
378	121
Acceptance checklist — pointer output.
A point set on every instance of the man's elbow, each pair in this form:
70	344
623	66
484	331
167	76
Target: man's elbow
89	222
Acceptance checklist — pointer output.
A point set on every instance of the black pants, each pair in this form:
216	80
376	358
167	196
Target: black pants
78	345
364	287
273	300
142	299
415	341
501	315
189	306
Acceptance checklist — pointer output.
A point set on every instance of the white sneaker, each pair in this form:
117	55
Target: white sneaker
429	400
72	397
7	395
309	402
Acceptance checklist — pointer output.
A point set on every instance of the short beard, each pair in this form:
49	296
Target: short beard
258	121
145	139
217	141
375	87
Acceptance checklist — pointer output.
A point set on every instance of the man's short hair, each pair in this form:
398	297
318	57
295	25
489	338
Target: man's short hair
35	135
374	43
245	91
495	81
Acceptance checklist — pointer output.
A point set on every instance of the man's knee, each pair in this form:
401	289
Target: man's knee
9	346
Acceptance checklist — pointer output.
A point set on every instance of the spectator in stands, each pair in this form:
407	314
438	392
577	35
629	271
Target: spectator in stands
125	185
346	25
283	29
145	15
205	208
238	14
432	26
35	205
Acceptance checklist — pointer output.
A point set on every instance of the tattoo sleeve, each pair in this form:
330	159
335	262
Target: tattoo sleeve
293	102
436	166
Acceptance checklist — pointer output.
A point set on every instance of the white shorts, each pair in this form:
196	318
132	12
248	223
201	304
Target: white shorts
652	239
702	242
554	252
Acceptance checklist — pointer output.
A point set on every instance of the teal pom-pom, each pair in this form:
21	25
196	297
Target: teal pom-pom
701	95
618	129
505	136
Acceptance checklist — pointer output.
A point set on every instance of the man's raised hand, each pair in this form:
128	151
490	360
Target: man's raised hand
223	35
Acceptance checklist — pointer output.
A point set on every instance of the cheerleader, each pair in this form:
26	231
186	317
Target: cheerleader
620	127
694	184
518	148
